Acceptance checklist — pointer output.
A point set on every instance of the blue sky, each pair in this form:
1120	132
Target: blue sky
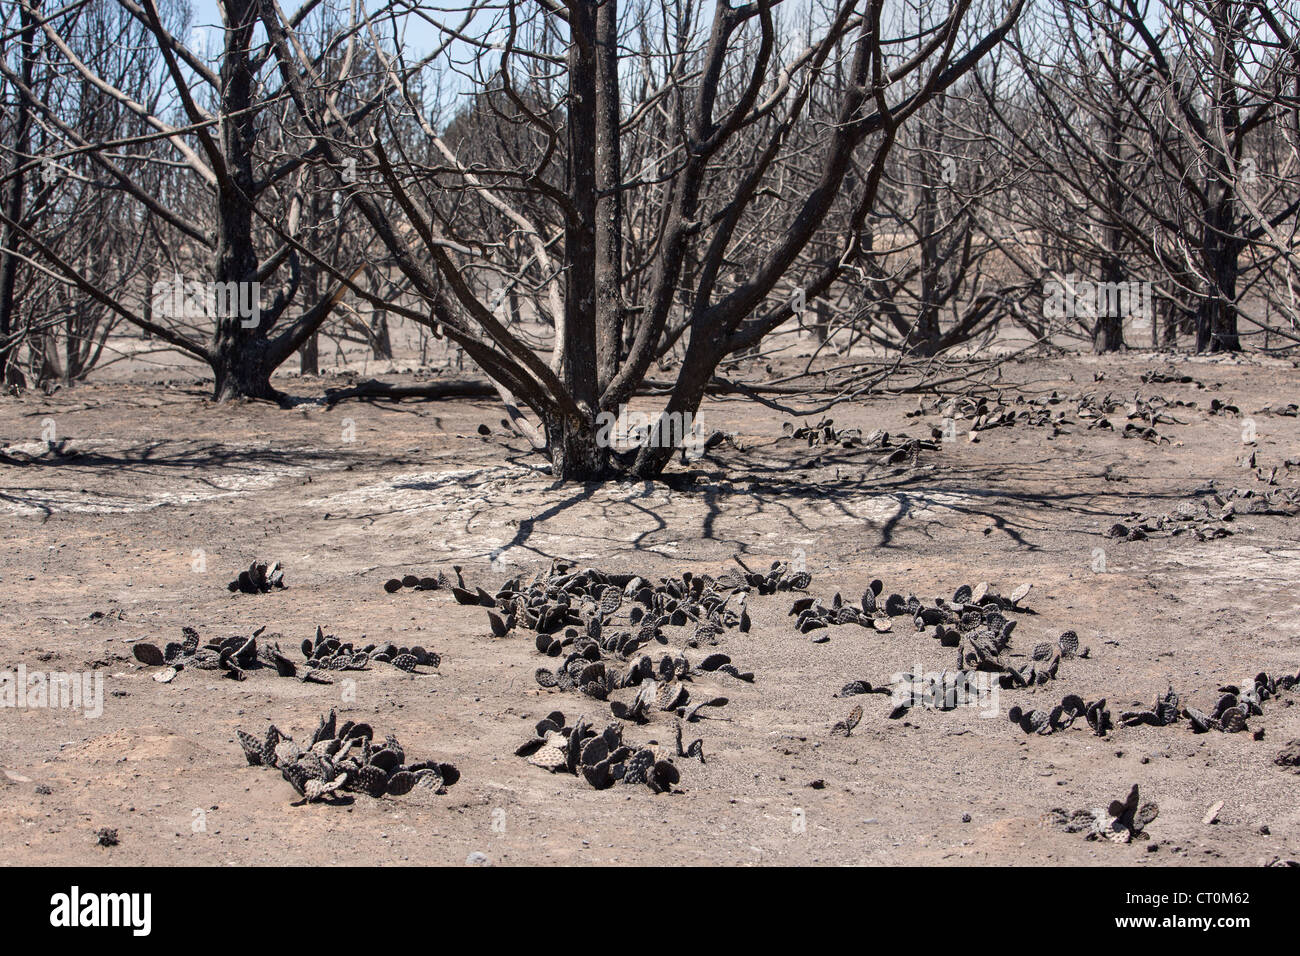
206	17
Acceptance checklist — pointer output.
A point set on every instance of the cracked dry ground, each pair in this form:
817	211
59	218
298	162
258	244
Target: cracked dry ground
100	549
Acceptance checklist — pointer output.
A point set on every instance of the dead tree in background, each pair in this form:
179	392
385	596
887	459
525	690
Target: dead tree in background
58	194
17	129
937	281
240	201
1145	122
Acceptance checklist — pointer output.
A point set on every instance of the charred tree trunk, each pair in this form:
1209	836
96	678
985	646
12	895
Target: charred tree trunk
381	344
242	366
609	202
309	356
925	337
925	334
821	321
1172	318
575	453
309	352
12	199
240	354
1216	316
1108	328
697	369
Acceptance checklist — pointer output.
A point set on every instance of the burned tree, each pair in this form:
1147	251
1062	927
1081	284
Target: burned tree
60	196
712	112
1145	125
231	202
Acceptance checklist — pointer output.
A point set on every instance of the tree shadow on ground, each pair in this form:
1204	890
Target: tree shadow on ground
1027	502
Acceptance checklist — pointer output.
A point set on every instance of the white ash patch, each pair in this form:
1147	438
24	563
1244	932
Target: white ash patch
56	449
454	489
1237	565
118	486
69	501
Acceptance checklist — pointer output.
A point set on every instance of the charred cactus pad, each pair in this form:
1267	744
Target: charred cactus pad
262	577
596	626
1124	821
601	758
234	656
344	759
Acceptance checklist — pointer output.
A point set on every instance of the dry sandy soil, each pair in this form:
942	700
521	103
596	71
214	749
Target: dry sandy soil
101	549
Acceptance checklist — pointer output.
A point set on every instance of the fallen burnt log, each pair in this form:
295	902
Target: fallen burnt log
469	388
